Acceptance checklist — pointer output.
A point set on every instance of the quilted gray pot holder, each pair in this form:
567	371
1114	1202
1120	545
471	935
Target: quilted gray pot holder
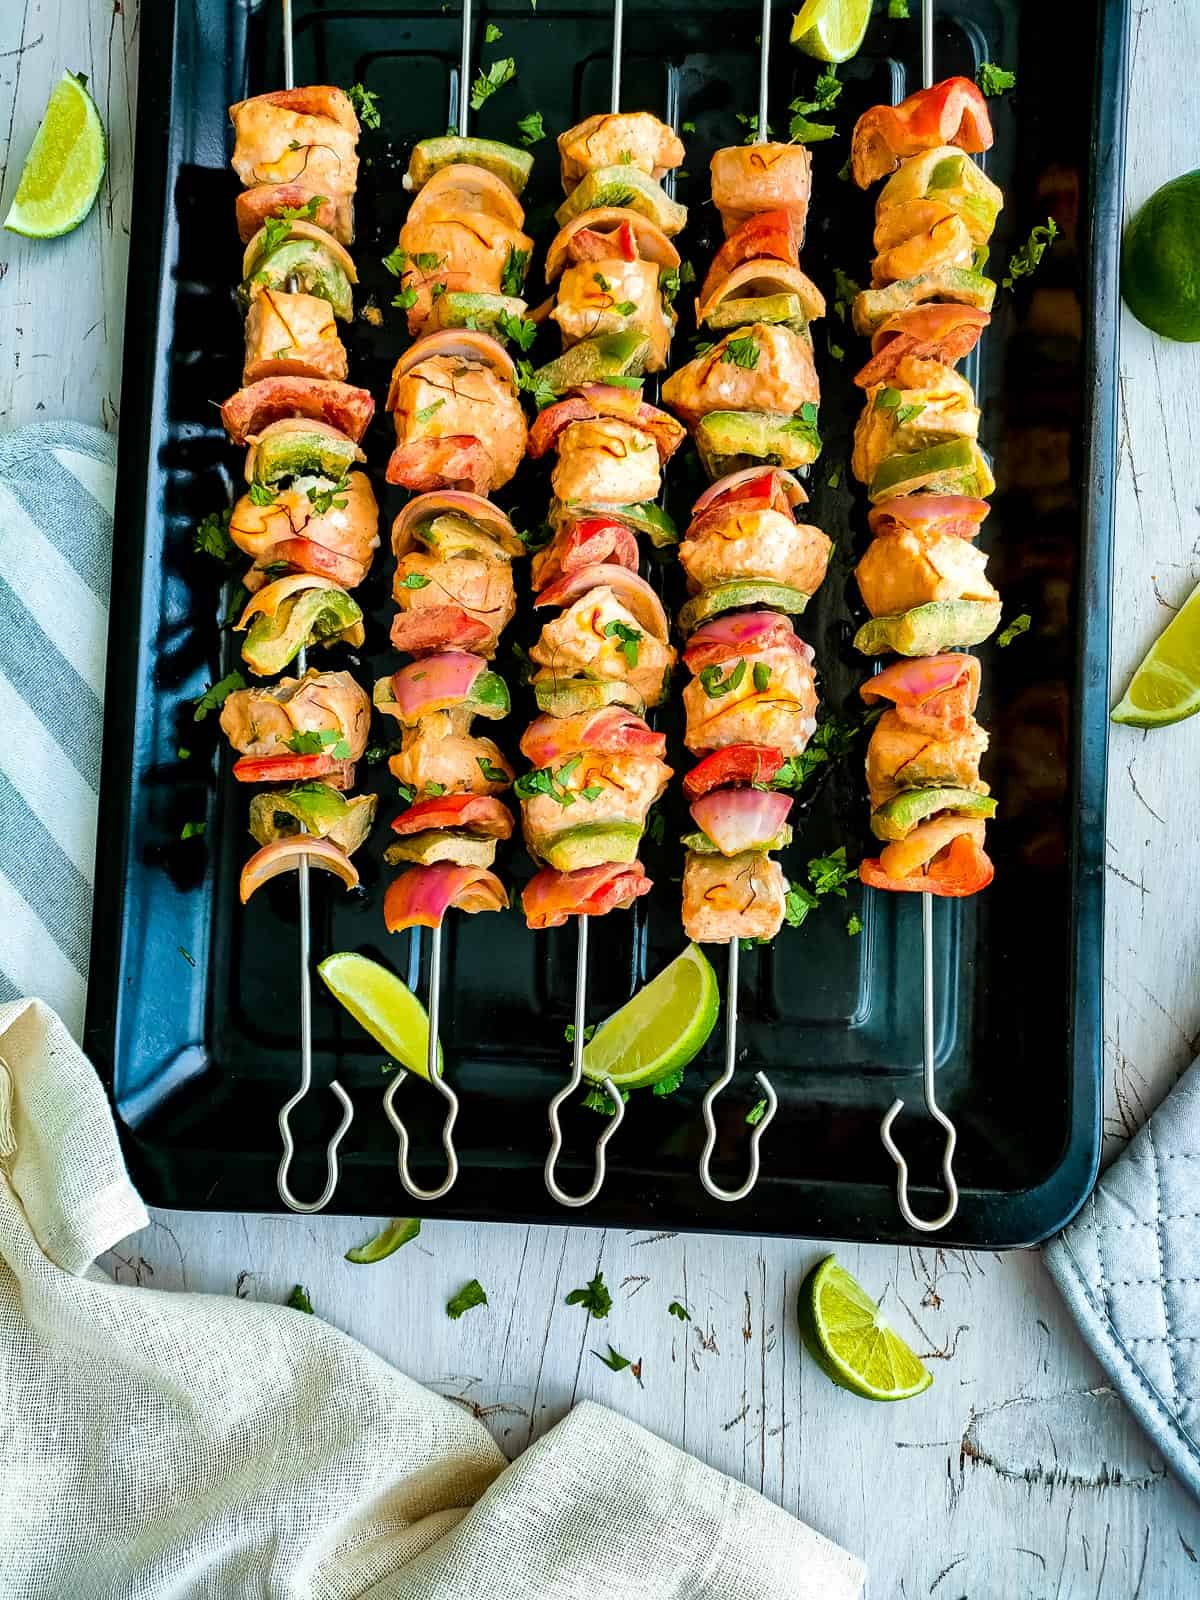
1129	1268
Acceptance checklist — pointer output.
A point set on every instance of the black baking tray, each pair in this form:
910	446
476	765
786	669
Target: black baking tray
192	1001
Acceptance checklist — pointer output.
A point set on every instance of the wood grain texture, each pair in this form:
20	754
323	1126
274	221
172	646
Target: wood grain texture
1018	1474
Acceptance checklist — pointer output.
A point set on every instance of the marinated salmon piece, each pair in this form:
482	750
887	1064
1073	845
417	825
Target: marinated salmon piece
291	335
900	756
307	135
261	721
447	396
436	752
620	138
482	589
606	462
763	367
598	637
907	569
923	403
759	544
775	705
607	788
945	243
732	897
747	178
611	296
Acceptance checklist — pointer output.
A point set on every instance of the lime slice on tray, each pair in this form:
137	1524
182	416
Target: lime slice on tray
62	172
850	1340
830	30
385	1007
1166	687
661	1029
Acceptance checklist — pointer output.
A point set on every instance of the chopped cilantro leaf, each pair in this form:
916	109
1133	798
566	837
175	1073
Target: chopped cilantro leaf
515	268
614	1359
520	330
670	1083
333	495
491	771
715	686
762	676
193	830
491	33
473	1293
898	10
405	300
595	1298
742	352
414	580
299	1301
425	412
994	80
1015	629
756	1113
366	103
1025	259
260	495
531	128
211	537
215	696
678	1309
487	82
853	924
629	637
396	261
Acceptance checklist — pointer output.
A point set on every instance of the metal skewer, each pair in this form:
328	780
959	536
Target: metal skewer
927	995
731	983
433	1065
282	1182
581	950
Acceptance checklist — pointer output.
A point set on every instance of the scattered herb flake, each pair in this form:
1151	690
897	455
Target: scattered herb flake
491	33
215	696
742	352
183	753
520	330
414	580
425	412
678	1309
614	1359
854	924
898	10
473	1293
595	1298
487	82
888	399
994	80
907	414
1015	629
596	1099
193	830
762	676
531	128
211	537
405	300
715	686
836	351
260	495
299	1301
535	385
491	771
844	291
332	495
835	477
669	1084
366	103
756	1113
630	639
396	261
1026	258
687	127
588	1032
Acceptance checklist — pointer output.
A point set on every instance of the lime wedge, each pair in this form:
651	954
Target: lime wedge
831	30
385	1007
661	1029
62	172
850	1340
1160	262
1166	687
398	1231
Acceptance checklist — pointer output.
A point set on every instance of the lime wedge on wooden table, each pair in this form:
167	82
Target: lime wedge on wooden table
1160	260
385	1007
1166	687
831	30
661	1029
62	172
850	1340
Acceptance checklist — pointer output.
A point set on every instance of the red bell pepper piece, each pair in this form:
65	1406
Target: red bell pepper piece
736	763
285	769
963	868
951	112
766	235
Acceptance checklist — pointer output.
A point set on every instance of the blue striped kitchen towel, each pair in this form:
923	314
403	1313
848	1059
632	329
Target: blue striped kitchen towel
56	507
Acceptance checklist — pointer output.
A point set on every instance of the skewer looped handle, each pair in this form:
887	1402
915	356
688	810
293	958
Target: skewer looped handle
614	1094
710	1122
436	1078
332	1173
930	1092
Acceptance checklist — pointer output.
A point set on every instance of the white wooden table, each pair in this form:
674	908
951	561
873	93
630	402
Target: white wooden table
1018	1474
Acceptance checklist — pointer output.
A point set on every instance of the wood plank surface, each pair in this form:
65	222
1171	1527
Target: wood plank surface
1019	1473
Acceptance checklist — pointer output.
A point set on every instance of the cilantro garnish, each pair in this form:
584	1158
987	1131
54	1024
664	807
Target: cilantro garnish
1015	629
531	128
487	82
193	830
715	686
828	875
834	738
473	1293
756	1113
898	10
298	1300
678	1309
520	330
762	676
491	771
804	426
260	495
211	537
425	412
366	103
395	261
1025	259
629	637
491	33
994	80
825	92
405	300
595	1298
334	495
215	696
854	924
614	1359
844	291
742	352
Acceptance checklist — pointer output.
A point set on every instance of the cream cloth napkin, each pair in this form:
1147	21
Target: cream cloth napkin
156	1446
